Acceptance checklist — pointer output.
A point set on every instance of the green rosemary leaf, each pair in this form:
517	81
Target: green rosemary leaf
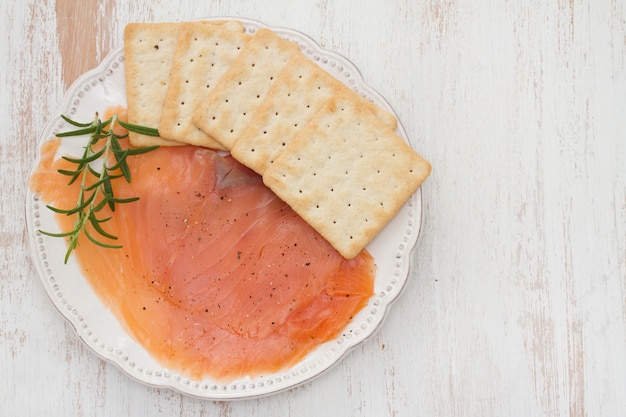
125	135
58	210
107	122
96	225
43	232
124	200
99	243
139	151
86	131
148	131
84	160
122	165
74	123
93	172
95	185
107	189
114	176
104	219
105	200
82	205
68	173
120	157
94	197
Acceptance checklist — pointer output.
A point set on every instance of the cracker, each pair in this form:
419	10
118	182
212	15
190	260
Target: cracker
347	174
148	53
227	110
204	51
301	89
298	93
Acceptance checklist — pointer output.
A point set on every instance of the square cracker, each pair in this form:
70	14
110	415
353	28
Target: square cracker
204	51
347	174
300	90
227	110
148	53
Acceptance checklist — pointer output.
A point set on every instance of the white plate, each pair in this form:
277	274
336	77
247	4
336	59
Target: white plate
95	324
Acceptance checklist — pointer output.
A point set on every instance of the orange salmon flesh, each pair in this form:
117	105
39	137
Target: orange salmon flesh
217	277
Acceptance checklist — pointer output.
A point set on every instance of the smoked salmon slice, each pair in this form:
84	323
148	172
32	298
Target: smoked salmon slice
217	276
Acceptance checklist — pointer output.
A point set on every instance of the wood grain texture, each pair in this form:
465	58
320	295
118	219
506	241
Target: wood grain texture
516	304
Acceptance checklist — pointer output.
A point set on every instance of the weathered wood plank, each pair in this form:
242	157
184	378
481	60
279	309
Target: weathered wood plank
517	301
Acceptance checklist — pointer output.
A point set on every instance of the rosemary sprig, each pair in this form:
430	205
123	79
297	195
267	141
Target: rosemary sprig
98	195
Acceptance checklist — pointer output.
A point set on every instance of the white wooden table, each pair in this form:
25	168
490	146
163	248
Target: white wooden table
516	305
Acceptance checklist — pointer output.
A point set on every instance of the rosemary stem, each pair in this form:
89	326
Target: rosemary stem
93	198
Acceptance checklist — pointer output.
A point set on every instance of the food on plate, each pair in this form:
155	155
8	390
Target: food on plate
347	174
238	95
149	52
268	93
204	51
217	277
103	145
240	264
